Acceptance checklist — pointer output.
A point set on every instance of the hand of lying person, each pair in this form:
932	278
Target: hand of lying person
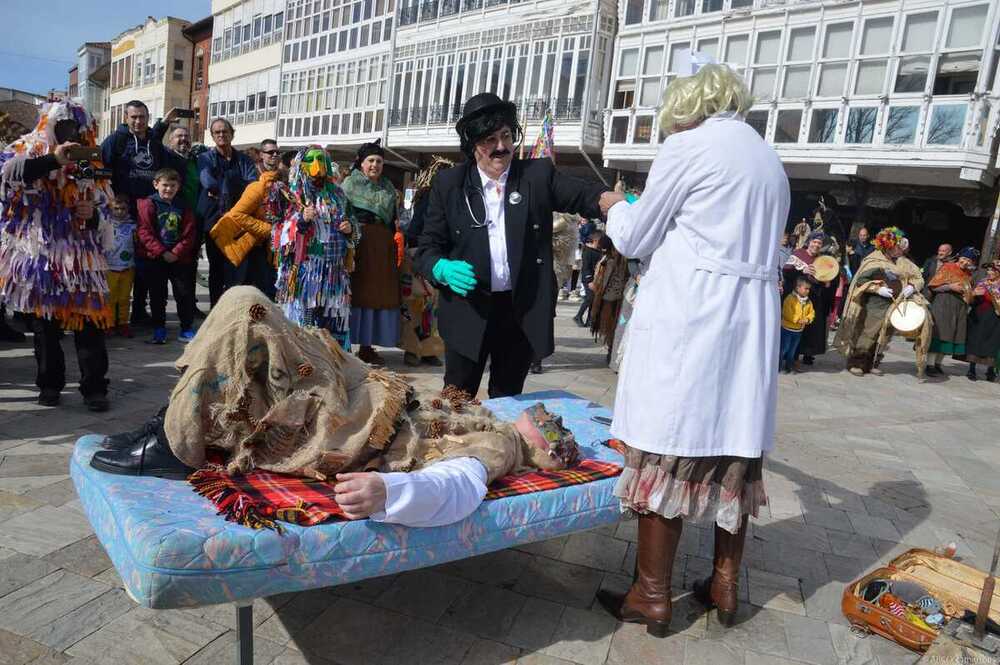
360	494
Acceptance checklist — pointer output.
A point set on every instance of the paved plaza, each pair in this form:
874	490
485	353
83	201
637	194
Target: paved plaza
863	470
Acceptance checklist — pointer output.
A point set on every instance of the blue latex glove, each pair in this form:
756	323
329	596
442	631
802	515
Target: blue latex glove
458	275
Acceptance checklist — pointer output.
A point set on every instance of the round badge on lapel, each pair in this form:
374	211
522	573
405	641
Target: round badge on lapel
514	198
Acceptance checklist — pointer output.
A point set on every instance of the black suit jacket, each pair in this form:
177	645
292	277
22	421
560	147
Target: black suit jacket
450	232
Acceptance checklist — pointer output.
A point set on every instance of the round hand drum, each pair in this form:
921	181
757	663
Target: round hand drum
908	317
826	267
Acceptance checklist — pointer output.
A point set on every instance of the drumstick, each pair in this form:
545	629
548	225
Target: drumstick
986	599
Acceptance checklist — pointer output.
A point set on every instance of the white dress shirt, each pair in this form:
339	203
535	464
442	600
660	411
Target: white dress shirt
493	193
443	493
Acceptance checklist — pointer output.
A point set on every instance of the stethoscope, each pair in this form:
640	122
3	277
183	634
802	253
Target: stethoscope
514	198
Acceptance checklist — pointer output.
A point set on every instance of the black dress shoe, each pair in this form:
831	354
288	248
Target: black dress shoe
149	456
48	397
808	360
98	403
126	439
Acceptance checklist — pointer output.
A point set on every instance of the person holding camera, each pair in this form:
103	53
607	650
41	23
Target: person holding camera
225	172
52	264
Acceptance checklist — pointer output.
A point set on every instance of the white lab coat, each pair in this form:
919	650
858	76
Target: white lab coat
699	375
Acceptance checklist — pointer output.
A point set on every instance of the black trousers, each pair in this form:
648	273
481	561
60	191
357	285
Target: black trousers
254	271
588	301
192	276
217	263
91	355
158	273
505	346
140	290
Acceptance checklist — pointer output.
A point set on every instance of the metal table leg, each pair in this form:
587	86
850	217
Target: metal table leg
244	634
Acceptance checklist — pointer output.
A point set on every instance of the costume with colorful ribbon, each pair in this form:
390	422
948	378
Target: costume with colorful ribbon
51	265
314	258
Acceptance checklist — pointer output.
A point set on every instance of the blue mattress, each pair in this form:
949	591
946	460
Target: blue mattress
172	550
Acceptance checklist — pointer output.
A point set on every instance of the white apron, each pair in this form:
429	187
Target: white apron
699	375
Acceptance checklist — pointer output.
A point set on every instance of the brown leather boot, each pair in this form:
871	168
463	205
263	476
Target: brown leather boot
648	601
719	590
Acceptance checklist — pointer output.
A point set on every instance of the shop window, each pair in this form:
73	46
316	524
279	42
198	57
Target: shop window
911	74
946	124
643	131
831	79
823	127
966	27
901	126
786	130
758	120
877	36
957	73
871	77
861	125
619	129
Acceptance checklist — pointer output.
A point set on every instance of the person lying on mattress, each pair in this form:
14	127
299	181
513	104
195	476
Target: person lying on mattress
274	396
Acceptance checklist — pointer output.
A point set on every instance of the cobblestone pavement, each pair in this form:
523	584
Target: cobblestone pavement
863	470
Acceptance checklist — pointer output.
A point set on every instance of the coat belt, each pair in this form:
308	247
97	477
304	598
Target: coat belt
736	268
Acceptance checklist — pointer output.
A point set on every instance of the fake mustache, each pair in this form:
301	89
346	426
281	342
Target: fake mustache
496	154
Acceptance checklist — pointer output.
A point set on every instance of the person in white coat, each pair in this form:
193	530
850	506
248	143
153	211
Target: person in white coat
696	394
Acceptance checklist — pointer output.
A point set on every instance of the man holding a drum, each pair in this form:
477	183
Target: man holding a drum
884	298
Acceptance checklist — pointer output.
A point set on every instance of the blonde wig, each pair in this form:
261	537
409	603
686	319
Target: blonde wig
689	100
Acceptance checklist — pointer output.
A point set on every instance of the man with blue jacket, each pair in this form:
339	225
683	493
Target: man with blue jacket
225	172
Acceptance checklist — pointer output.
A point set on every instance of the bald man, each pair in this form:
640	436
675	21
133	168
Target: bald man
932	264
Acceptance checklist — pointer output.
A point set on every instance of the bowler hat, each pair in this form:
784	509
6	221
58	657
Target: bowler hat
484	101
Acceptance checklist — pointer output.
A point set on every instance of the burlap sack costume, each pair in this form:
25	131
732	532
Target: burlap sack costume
858	332
283	398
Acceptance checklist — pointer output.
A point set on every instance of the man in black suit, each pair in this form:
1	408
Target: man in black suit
487	242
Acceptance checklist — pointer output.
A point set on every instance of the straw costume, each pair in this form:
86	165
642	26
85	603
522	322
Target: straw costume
314	259
865	328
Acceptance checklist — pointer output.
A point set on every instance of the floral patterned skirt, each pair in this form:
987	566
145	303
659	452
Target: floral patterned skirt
699	489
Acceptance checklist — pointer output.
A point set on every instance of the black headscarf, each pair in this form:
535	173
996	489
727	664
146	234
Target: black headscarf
367	150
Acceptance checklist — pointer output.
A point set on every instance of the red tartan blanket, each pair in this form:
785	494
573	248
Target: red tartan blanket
260	499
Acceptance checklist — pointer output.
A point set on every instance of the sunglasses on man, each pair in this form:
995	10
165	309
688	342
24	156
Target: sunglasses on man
269	152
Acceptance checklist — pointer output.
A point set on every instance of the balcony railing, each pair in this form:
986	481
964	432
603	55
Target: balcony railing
567	110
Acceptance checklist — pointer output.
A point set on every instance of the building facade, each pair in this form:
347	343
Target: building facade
244	74
150	63
199	34
887	109
91	59
334	84
542	55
